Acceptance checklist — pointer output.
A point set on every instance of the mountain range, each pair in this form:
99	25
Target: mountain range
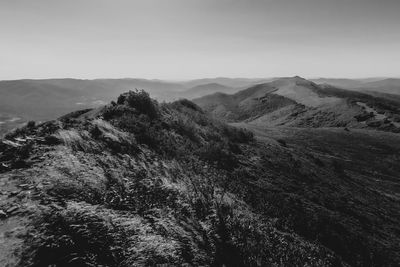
381	85
40	100
298	102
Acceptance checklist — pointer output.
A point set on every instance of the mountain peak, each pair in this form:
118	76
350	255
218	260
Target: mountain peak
300	79
297	80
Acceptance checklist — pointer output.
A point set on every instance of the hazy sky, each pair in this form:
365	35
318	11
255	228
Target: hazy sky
183	39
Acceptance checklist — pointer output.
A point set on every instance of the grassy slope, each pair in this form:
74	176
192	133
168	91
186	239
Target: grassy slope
122	186
344	189
298	102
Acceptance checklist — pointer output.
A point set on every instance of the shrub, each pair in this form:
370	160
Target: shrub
185	127
239	135
187	104
30	124
74	115
141	101
219	154
116	111
95	132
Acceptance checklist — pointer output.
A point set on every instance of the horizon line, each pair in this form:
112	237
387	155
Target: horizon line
202	78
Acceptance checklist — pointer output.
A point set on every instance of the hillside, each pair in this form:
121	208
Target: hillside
206	89
388	86
41	100
137	183
341	83
229	82
379	85
302	103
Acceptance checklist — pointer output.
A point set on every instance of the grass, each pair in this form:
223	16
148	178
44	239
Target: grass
125	188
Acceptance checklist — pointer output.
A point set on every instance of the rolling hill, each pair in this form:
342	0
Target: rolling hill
379	85
40	100
298	102
206	89
388	86
229	82
341	83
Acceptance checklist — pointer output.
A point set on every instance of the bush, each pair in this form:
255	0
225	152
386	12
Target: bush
238	135
187	104
173	129
30	124
116	111
220	154
141	101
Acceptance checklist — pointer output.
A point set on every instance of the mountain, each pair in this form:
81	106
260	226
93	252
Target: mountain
390	97
138	183
40	100
229	82
206	89
379	85
389	86
342	83
98	89
298	102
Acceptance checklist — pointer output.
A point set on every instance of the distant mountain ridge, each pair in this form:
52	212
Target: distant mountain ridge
229	82
298	102
389	86
44	99
380	85
205	89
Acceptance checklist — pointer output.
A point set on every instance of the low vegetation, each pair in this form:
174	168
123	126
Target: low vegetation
139	183
296	102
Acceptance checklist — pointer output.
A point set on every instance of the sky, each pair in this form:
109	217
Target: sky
188	39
